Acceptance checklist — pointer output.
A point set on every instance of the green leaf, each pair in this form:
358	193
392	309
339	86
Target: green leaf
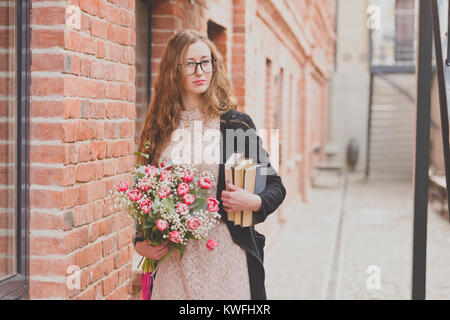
149	222
203	193
139	175
142	154
194	205
181	248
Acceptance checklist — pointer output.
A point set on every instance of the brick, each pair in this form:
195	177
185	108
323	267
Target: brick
102	268
91	191
85	153
110	282
72	109
99	207
71	86
46	131
47	289
47	38
109	244
71	197
90	6
78	42
46	199
124	237
46	221
87	88
40	245
86	130
47	62
83	214
72	64
98	70
41	86
99	28
70	131
48	267
164	23
127	129
46	109
110	167
98	150
46	176
48	15
98	110
85	172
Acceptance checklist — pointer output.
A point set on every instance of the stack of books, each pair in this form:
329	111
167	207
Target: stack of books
245	174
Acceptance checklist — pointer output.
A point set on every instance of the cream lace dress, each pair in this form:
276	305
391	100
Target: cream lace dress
203	275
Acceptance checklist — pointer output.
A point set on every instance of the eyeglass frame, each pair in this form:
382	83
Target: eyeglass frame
200	63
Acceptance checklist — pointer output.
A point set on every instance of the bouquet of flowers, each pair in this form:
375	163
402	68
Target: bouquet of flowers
169	202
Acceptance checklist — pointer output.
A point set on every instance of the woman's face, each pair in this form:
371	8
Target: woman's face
198	82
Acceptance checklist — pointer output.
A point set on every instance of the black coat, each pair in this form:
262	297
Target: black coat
272	196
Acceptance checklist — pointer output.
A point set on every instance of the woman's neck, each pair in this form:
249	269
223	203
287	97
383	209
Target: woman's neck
192	102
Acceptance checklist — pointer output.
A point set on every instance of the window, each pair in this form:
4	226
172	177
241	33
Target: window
14	106
143	58
405	32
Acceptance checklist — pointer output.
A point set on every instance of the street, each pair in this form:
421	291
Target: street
353	240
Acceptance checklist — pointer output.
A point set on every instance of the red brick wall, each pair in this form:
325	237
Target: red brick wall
82	130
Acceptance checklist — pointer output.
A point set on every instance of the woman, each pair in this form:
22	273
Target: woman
193	92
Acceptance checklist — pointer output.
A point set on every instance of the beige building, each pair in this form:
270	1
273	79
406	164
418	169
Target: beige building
373	87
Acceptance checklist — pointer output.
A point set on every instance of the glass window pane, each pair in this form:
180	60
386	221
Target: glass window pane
7	139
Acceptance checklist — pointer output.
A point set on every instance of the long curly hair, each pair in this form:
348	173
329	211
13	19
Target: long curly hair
166	104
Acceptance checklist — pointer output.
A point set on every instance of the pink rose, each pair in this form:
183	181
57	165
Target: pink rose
165	175
151	170
213	204
164	192
205	183
146	205
188	198
193	223
183	188
175	236
144	185
182	208
165	164
211	245
122	186
161	224
188	177
135	195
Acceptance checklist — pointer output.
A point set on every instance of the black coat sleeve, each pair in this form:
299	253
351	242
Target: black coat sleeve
274	193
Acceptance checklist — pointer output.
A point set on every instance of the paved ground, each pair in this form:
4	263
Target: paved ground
327	245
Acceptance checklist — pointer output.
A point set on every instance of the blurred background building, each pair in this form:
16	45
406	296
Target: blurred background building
373	88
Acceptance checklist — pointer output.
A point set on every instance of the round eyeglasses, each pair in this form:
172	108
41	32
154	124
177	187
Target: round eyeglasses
190	67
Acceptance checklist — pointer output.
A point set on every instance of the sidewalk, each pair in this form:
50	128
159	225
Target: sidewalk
326	246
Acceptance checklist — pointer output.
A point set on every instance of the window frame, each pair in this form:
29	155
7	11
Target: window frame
16	286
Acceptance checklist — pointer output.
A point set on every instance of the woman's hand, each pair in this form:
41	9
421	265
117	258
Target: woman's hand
153	252
238	199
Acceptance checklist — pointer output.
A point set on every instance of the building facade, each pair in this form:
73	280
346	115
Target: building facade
92	66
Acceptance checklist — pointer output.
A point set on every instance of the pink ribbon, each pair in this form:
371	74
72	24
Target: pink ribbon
146	285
